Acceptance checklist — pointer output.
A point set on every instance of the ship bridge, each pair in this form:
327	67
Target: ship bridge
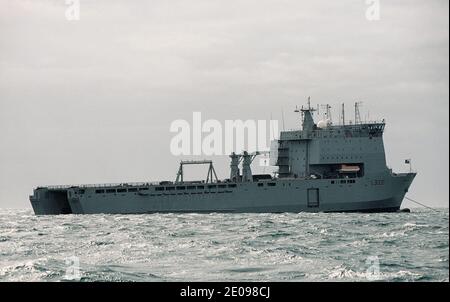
322	149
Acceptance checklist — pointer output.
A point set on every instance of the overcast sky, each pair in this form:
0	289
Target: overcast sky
91	101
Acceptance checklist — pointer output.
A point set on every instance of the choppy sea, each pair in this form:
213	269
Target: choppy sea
225	247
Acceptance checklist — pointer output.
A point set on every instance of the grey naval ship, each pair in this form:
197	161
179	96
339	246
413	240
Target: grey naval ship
321	168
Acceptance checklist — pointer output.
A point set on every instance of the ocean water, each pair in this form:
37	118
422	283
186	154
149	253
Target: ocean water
225	247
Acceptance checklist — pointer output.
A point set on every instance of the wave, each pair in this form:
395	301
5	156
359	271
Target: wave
225	247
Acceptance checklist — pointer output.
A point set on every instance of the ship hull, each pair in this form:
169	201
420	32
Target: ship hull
378	193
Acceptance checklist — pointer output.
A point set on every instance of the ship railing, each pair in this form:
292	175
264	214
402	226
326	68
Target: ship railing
332	131
340	126
124	184
358	125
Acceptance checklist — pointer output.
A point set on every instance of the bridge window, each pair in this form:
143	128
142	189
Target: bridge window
181	188
212	186
200	187
121	190
99	191
191	188
222	186
132	190
110	191
232	186
260	184
170	188
271	184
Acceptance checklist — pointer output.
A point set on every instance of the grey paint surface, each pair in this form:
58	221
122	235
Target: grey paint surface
312	184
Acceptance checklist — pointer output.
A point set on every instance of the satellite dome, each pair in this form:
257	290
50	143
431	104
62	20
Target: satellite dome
323	124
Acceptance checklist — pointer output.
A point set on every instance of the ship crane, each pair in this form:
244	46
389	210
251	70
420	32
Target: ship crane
211	171
234	166
246	159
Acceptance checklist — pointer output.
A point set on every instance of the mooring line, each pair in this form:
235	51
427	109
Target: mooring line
412	200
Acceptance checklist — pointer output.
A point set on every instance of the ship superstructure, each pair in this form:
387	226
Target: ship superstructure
321	167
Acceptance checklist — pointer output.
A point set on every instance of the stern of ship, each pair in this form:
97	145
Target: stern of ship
50	201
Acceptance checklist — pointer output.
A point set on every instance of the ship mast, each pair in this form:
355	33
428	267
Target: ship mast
357	113
307	119
328	113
